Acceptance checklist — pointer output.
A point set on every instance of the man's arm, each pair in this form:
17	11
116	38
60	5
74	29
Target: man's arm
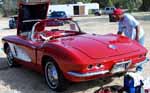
120	31
137	32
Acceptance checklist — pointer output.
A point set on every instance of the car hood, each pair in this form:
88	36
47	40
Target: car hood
100	46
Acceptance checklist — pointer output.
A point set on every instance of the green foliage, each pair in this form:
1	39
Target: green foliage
130	6
110	3
127	4
84	1
0	12
145	5
9	7
69	1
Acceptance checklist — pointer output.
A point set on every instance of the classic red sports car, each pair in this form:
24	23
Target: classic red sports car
66	53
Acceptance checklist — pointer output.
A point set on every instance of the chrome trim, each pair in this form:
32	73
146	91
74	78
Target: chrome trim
123	62
34	20
87	74
128	62
19	53
142	62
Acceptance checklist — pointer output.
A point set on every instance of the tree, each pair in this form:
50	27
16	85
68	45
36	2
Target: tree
9	7
110	3
84	1
72	1
145	5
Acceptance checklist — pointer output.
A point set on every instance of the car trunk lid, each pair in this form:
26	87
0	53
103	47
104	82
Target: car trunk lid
100	46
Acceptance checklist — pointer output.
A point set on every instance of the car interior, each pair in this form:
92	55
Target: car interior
42	32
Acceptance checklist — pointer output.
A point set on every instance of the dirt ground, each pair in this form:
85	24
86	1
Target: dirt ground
22	80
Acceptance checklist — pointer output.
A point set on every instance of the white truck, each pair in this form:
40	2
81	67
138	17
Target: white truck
109	10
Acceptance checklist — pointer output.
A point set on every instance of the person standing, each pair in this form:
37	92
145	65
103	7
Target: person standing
129	26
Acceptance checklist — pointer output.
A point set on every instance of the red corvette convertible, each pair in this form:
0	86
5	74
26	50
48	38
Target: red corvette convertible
64	52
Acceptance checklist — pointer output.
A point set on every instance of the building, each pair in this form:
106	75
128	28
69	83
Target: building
79	9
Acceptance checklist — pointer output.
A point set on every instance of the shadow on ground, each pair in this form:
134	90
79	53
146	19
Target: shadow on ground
3	65
5	28
86	86
23	80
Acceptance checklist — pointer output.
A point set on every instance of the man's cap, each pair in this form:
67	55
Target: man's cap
118	11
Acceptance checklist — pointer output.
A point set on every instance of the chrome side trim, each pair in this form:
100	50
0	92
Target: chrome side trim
142	62
87	74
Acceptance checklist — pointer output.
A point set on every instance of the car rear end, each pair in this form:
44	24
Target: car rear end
102	61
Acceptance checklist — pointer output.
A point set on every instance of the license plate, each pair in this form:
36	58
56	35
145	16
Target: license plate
120	67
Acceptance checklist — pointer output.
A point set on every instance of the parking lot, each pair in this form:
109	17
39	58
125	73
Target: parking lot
22	80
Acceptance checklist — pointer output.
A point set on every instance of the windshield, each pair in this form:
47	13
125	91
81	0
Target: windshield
54	29
57	14
62	25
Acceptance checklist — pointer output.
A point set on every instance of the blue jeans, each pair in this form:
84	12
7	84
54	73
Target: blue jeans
142	40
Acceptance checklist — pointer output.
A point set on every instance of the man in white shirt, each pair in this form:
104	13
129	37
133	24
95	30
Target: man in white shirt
129	26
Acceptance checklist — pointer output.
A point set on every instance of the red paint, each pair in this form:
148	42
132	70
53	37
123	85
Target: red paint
75	51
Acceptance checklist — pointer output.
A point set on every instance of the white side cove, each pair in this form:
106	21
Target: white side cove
19	53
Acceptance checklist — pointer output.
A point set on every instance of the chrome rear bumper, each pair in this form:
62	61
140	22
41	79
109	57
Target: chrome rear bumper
88	74
75	74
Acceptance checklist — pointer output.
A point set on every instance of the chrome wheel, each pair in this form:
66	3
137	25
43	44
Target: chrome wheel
54	77
10	57
51	75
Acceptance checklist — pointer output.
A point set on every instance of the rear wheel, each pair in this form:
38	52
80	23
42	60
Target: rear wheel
54	77
10	57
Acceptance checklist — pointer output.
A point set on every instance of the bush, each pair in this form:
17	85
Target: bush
9	7
1	13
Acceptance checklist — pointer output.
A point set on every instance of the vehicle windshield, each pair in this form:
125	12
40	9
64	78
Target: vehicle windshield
57	14
54	28
62	25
